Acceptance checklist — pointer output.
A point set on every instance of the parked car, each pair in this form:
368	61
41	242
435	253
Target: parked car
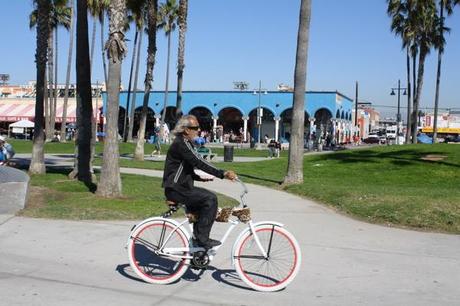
372	138
452	138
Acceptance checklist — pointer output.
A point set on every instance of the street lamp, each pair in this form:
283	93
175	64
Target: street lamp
259	112
398	116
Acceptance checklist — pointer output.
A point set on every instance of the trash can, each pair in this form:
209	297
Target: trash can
228	153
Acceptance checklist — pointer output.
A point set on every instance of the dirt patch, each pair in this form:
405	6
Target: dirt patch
434	157
36	197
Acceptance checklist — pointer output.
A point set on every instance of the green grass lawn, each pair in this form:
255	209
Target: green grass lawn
390	185
25	146
55	196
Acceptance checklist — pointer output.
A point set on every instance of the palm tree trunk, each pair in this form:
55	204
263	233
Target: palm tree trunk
165	103
414	79
438	77
69	69
152	7
37	164
48	111
294	173
420	72
125	135
93	42
110	180
54	104
408	125
84	103
46	105
181	54
104	64
136	75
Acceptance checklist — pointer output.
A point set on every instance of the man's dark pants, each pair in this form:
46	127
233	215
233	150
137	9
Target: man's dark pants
200	201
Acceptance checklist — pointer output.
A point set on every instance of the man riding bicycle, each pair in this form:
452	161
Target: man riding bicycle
179	175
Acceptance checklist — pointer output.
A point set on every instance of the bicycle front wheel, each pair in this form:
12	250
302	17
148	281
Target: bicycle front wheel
276	270
145	257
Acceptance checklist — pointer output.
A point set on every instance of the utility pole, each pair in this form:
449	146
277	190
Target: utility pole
356	109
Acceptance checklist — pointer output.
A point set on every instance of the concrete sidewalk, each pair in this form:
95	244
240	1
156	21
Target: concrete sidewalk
345	262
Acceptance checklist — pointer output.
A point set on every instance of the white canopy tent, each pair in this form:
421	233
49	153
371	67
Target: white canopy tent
20	127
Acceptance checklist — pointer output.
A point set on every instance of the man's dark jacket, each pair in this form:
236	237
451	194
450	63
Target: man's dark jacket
180	162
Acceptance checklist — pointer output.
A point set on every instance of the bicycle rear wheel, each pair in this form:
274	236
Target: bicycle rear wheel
275	271
147	263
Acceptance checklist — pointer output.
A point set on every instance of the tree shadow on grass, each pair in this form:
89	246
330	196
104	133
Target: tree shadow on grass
400	157
54	168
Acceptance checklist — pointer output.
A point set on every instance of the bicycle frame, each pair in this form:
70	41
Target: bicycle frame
177	252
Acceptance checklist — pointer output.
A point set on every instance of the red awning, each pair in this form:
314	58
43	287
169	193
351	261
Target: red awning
12	110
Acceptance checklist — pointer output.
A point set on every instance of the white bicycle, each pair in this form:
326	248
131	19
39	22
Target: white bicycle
265	255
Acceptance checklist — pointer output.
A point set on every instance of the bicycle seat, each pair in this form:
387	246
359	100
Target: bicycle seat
174	206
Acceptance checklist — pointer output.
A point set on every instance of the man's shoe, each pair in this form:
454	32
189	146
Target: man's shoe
208	244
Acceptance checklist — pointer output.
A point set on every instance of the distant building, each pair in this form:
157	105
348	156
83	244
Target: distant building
326	112
448	123
285	88
368	119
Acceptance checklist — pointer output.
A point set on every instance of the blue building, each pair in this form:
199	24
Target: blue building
326	112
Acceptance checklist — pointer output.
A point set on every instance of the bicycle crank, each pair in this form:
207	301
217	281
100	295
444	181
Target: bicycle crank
200	260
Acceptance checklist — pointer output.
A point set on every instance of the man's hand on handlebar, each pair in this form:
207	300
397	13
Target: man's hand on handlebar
231	175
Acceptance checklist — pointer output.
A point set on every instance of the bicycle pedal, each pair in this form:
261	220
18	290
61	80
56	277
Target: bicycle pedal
193	267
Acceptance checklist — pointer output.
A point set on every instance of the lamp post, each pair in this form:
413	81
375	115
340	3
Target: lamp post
259	113
398	115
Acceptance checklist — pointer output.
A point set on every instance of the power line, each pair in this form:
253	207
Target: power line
421	107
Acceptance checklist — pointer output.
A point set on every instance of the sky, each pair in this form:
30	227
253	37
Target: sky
255	40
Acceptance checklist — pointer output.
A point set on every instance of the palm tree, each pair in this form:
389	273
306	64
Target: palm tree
69	69
425	21
402	14
182	16
84	94
152	11
59	16
439	44
137	9
294	173
37	164
110	180
97	9
167	18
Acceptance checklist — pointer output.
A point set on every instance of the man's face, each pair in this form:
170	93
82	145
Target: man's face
192	130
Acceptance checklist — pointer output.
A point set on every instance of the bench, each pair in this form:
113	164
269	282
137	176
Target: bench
205	152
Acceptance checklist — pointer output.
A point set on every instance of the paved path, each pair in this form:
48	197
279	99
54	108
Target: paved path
345	262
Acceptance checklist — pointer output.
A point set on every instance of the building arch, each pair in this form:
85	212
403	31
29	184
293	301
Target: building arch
230	119
286	123
121	119
323	122
219	108
267	126
337	114
170	117
149	124
204	116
